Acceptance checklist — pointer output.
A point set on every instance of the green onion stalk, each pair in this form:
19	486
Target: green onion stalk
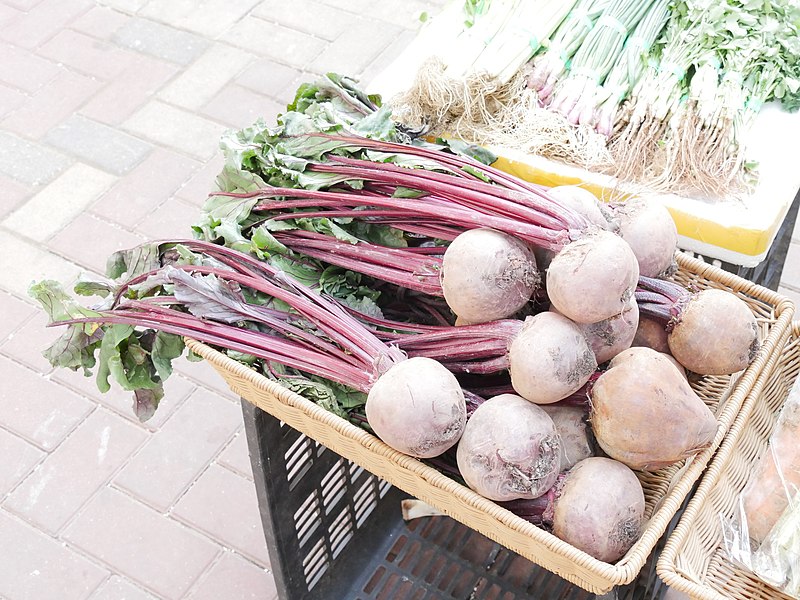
686	134
549	66
658	96
629	68
595	58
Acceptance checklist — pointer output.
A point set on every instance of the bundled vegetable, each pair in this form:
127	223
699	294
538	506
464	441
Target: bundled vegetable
444	190
510	449
594	59
711	332
597	506
574	432
202	294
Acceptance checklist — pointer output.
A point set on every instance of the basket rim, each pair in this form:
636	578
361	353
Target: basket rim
666	566
628	567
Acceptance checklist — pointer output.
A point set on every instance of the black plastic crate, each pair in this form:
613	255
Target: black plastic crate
335	532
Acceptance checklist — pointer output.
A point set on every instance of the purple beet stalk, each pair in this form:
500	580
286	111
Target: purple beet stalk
347	353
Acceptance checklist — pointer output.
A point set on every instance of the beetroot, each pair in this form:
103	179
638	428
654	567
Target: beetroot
600	508
509	449
651	334
487	275
649	229
645	414
423	419
611	336
593	278
711	332
597	506
582	201
550	358
573	429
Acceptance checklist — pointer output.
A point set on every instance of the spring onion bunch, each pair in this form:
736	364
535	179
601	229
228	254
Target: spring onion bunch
714	66
629	68
550	66
595	58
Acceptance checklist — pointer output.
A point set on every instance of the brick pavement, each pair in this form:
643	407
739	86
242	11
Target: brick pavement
110	113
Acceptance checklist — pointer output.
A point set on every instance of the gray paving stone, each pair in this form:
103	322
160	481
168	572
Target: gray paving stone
309	16
107	148
273	41
28	162
160	41
356	48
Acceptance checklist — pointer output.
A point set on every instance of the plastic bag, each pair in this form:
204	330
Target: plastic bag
764	533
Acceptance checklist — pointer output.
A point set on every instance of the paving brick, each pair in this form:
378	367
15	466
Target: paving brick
59	203
176	128
128	92
309	16
100	22
271	79
239	107
19	458
395	12
14	194
24	5
23	262
28	162
15	312
118	588
791	268
356	48
173	219
204	374
196	190
106	239
137	542
210	73
237	457
87	54
48	412
137	195
101	145
7	13
51	105
234	577
74	472
209	18
224	505
28	342
180	450
25	70
273	41
126	6
160	41
43	21
10	99
41	567
176	390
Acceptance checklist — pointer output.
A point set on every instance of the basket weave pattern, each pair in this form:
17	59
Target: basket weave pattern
693	560
664	489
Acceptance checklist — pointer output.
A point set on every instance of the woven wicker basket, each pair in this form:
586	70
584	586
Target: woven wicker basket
693	560
664	490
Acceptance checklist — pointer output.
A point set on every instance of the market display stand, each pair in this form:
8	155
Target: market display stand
335	532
